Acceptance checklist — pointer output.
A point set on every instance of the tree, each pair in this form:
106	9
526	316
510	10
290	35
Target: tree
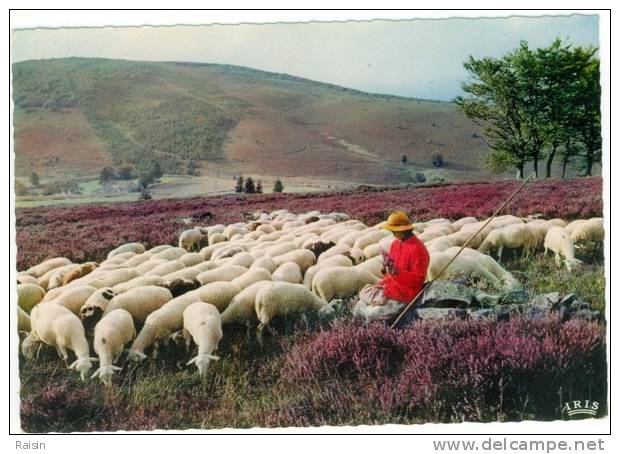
156	171
193	168
239	186
106	174
403	158
125	172
34	179
259	187
278	186
145	180
249	187
588	125
20	188
145	194
437	159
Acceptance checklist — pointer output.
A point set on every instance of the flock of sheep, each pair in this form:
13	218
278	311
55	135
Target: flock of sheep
275	264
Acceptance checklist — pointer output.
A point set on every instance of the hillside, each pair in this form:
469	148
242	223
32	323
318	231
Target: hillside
75	115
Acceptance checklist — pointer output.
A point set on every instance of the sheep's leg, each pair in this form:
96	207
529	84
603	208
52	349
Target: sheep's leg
188	339
499	253
248	330
557	260
155	349
259	333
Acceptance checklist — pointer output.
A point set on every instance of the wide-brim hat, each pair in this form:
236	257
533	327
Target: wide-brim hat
397	222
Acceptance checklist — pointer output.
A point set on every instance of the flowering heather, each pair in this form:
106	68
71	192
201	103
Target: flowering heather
444	371
88	232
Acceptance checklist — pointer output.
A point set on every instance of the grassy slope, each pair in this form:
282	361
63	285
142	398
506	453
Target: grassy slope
143	111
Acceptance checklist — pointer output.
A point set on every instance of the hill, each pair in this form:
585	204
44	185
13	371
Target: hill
75	115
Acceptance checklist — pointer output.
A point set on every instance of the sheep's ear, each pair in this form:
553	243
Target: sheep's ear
213	357
192	361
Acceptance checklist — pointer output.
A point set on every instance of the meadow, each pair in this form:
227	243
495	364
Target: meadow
336	371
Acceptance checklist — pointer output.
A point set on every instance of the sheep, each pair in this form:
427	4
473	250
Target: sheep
303	257
319	247
57	326
511	236
456	225
241	259
336	260
158	249
172	253
138	282
29	295
265	228
350	238
216	237
73	298
233	229
179	286
46	266
147	266
559	241
341	282
241	308
96	303
251	276
227	251
373	266
435	231
354	254
23	278
190	239
225	273
191	259
136	248
591	231
189	273
166	268
80	271
137	260
281	248
287	272
369	238
59	271
283	298
114	277
23	321
168	319
488	263
372	250
208	251
461	266
140	301
57	277
202	323
572	225
112	332
266	263
121	258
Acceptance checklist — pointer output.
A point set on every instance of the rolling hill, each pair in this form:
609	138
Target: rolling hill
75	115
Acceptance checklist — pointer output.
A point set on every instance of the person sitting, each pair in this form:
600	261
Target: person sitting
405	267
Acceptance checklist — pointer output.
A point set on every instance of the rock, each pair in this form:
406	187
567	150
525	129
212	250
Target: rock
447	294
514	297
480	314
579	305
537	311
546	299
505	313
434	313
567	300
588	315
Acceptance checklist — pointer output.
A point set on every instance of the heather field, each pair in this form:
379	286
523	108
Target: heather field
333	371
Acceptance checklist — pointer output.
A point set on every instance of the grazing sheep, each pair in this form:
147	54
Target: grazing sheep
121	258
372	250
281	248
58	276
456	225
96	303
23	278
489	264
216	237
172	253
190	239
158	249
369	238
179	286
287	272
137	260
140	301
559	241
374	266
591	231
57	273
241	259
190	273
227	251
112	332
572	225
23	321
169	318
284	298
225	273
73	298
303	257
356	255
47	265
166	268
136	248
435	231
114	277
251	276
80	271
207	252
147	266
241	308
57	326
266	263
191	259
202	323
336	260
511	236
29	295
139	281
461	266
341	282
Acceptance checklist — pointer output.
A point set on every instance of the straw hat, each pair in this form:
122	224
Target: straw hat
397	222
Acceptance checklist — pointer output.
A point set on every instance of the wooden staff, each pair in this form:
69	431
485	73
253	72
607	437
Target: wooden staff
413	301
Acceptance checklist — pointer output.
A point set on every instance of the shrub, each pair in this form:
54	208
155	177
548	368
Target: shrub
106	174
20	188
34	179
249	187
125	172
403	158
278	186
240	184
419	177
437	159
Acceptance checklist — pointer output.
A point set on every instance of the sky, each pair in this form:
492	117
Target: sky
420	58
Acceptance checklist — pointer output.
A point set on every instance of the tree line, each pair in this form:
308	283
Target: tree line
536	106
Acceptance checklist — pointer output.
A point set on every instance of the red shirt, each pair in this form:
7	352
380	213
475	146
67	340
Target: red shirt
410	259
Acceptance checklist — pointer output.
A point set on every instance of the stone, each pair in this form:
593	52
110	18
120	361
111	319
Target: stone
546	299
514	297
537	311
588	315
480	314
567	300
434	313
447	294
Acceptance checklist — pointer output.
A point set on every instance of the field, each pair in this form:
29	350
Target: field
335	372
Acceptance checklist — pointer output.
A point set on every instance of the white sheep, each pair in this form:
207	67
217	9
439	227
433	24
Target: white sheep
374	266
166	268
284	298
241	308
137	260
573	225
97	303
59	271
265	263
168	319
47	265
559	241
172	253
191	259
511	236
57	277
73	298
191	272
190	239
136	248
227	251
114	277
241	259
303	257
157	249
251	276
139	282
335	260
29	295
341	282
456	225
202	323
225	273
23	278
461	266
81	271
140	301
23	321
591	231
57	326
207	252
287	272
150	264
372	237
112	332
488	263
356	255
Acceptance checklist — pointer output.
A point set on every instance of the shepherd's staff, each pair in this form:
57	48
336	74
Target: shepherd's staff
413	301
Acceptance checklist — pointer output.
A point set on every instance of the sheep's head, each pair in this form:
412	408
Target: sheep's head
105	373
202	362
83	366
136	356
318	247
181	286
29	347
97	303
